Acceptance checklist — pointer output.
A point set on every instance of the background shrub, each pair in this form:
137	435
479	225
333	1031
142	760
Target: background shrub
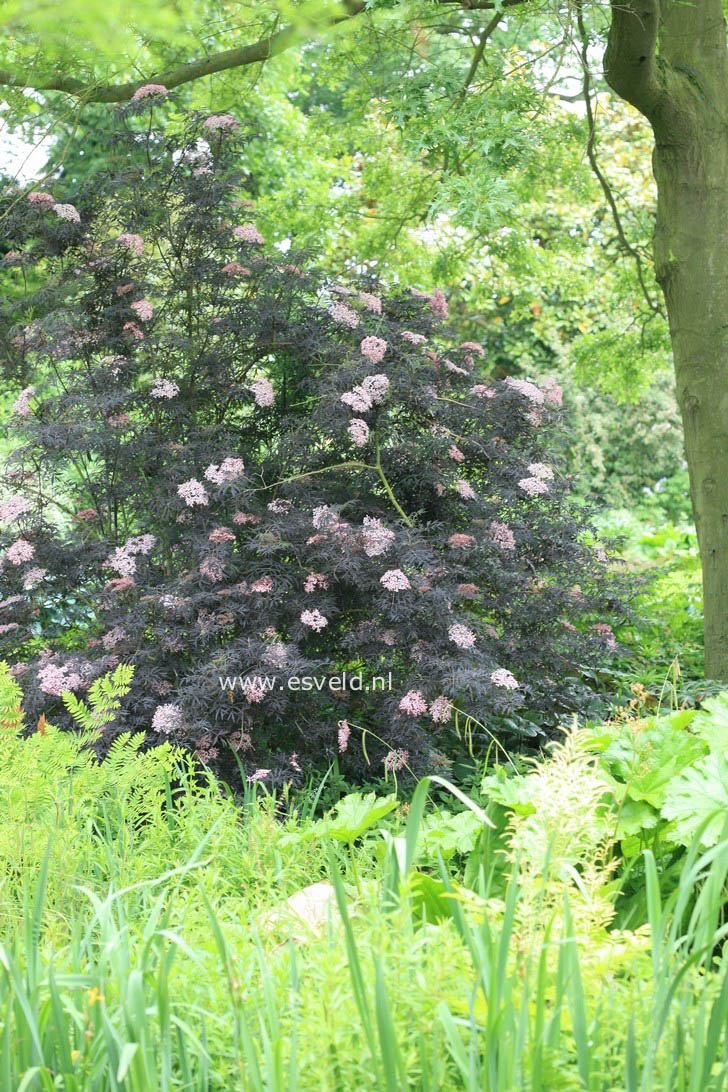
233	465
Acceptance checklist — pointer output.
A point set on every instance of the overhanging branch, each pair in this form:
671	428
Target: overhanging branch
240	57
255	53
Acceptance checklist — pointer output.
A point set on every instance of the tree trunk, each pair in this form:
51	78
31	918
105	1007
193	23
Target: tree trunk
681	87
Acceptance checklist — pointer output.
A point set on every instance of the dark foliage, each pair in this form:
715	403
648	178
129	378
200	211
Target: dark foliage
414	526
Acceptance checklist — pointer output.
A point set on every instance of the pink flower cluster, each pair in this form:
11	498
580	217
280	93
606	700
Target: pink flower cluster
254	693
533	486
276	655
149	90
167	718
502	536
192	493
45	200
141	544
377	387
279	506
605	630
123	559
315	580
33	577
465	490
540	470
235	269
119	585
314	620
344	315
373	348
473	347
344	731
455	453
53	679
263	585
395	580
16	506
441	710
370	392
460	541
67	212
114	637
245	517
480	390
131	242
263	392
259	775
20	551
461	635
438	304
164	388
221	123
248	233
529	390
552	392
376	538
503	678
132	330
229	469
413	703
323	517
221	535
372	303
415	339
212	568
143	309
395	760
358	430
21	405
357	399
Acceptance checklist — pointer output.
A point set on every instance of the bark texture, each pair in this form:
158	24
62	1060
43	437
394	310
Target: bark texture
669	60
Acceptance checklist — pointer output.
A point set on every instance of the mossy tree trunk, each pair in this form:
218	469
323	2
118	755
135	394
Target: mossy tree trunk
669	60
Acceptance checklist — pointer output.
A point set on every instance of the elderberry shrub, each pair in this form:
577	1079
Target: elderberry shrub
238	467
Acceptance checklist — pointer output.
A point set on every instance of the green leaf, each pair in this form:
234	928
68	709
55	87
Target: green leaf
711	722
357	813
699	795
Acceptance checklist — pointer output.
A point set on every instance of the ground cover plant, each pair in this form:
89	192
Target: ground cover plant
447	949
233	466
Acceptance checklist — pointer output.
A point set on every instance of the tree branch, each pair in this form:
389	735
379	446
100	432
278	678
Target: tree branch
240	57
630	61
479	51
624	242
255	53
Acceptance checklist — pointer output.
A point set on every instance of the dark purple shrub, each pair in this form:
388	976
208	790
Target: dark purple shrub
233	465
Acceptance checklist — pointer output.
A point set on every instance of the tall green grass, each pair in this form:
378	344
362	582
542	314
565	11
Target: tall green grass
139	953
415	983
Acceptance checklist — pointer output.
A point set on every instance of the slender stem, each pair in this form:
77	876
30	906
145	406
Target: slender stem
479	51
354	465
388	487
354	869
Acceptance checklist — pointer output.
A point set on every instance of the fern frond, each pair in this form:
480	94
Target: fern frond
11	696
103	696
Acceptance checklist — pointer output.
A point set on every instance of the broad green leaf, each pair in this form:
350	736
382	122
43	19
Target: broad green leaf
357	813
